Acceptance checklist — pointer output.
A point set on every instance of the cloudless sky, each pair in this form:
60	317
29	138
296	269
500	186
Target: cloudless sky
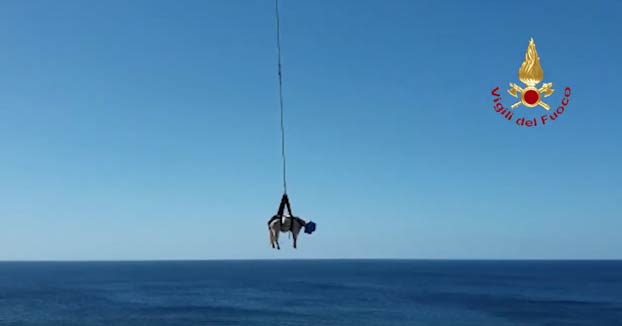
150	129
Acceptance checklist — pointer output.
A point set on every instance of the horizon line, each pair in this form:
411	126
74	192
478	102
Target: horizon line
298	259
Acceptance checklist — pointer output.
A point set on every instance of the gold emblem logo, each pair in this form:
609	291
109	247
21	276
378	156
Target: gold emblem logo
531	73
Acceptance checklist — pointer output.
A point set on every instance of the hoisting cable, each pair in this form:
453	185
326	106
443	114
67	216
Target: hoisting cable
280	74
309	227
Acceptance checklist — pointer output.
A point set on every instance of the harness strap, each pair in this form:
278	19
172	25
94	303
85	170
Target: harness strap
284	204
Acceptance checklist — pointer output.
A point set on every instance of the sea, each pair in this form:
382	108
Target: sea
312	292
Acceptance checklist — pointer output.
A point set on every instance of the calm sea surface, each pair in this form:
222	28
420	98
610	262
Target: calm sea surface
307	292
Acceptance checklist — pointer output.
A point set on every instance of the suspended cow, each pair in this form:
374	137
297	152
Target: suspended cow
282	222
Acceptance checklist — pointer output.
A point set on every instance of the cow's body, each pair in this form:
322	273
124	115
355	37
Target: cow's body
284	224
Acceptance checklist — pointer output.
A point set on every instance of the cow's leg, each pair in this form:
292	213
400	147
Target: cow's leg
296	230
274	235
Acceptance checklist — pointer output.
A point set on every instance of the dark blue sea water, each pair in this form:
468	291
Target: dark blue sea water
355	292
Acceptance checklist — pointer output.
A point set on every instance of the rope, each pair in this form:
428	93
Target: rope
278	46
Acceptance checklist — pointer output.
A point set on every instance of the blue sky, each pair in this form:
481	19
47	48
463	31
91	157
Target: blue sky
149	129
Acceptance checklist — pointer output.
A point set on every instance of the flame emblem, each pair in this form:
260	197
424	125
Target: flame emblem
531	73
